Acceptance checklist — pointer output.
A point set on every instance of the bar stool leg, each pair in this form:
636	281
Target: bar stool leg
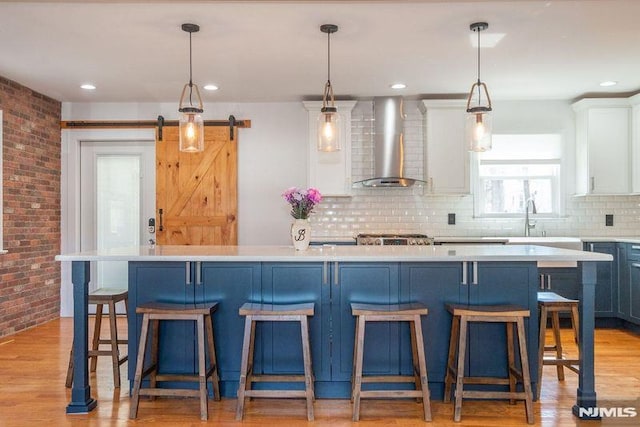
575	322
462	349
69	380
555	320
155	345
202	373
213	361
355	353
415	362
115	352
524	363
511	360
244	365
422	366
95	341
453	345
308	376
541	345
358	371
137	379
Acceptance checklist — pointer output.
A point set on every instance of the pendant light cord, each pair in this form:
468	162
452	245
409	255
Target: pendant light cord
190	71
479	91
329	58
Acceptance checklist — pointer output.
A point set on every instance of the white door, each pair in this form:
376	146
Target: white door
117	199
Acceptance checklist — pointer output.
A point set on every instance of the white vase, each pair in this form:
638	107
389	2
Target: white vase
301	234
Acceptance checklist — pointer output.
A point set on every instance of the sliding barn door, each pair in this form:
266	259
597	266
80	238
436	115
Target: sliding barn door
196	193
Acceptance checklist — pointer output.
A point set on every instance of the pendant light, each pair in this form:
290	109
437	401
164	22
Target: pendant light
191	123
329	138
478	121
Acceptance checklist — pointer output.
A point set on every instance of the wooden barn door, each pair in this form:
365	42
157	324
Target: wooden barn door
196	193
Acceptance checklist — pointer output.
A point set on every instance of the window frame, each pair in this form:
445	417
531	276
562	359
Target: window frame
556	184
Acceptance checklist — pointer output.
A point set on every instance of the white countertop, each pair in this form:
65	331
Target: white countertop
433	253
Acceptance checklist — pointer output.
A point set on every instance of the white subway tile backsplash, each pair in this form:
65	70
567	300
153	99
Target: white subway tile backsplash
412	210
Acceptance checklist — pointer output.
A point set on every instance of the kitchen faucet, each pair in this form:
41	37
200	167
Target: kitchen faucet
528	224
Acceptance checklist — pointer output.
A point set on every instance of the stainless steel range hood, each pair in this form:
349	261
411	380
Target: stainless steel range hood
388	144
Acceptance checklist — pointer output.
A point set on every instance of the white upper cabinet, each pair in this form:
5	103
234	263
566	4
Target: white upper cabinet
330	172
446	158
634	101
603	146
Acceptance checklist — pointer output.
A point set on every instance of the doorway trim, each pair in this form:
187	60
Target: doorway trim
70	194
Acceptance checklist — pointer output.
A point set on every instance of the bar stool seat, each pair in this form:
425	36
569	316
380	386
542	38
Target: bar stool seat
511	315
411	313
101	297
153	313
256	312
550	303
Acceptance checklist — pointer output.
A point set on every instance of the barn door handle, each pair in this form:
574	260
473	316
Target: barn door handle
161	228
232	123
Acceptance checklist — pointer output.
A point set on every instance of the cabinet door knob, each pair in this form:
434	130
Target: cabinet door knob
464	273
187	270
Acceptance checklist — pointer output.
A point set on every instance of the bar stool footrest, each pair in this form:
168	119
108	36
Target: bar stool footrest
477	394
390	394
169	392
389	379
276	394
276	378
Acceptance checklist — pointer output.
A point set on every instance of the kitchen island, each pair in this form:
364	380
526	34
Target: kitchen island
333	278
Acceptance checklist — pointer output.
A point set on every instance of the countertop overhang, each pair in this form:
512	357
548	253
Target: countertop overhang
435	253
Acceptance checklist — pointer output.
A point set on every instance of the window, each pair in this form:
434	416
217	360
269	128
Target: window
520	170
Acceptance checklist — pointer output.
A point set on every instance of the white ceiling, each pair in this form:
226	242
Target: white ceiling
274	51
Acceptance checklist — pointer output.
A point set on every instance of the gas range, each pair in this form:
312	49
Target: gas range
393	239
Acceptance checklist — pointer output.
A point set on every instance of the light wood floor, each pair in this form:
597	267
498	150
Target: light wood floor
32	393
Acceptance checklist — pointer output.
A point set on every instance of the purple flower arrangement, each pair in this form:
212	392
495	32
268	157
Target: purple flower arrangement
302	202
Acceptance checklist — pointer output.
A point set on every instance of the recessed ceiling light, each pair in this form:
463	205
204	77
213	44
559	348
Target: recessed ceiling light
211	87
608	83
398	86
88	86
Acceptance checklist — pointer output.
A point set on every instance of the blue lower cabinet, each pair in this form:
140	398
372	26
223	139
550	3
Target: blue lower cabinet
634	292
332	287
364	283
607	279
435	285
163	282
438	284
513	283
231	284
289	283
561	280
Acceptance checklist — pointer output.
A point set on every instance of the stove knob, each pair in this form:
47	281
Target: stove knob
412	242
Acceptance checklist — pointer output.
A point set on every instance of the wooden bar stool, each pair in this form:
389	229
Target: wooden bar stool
202	314
390	313
274	313
552	304
100	297
510	315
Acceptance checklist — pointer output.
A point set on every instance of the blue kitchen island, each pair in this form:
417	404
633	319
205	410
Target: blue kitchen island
333	278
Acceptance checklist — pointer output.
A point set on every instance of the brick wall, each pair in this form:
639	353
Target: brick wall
29	276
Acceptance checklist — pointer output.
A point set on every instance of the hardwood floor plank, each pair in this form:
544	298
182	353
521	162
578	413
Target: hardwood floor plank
33	366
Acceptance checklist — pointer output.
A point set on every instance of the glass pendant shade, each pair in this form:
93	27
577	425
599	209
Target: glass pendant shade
329	135
479	126
191	125
329	130
478	130
191	132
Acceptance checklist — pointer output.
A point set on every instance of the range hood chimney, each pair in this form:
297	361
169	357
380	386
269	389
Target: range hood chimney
388	144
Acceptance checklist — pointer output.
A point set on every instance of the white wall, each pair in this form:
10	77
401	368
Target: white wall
271	156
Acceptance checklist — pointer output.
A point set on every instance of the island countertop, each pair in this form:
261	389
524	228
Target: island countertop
432	253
